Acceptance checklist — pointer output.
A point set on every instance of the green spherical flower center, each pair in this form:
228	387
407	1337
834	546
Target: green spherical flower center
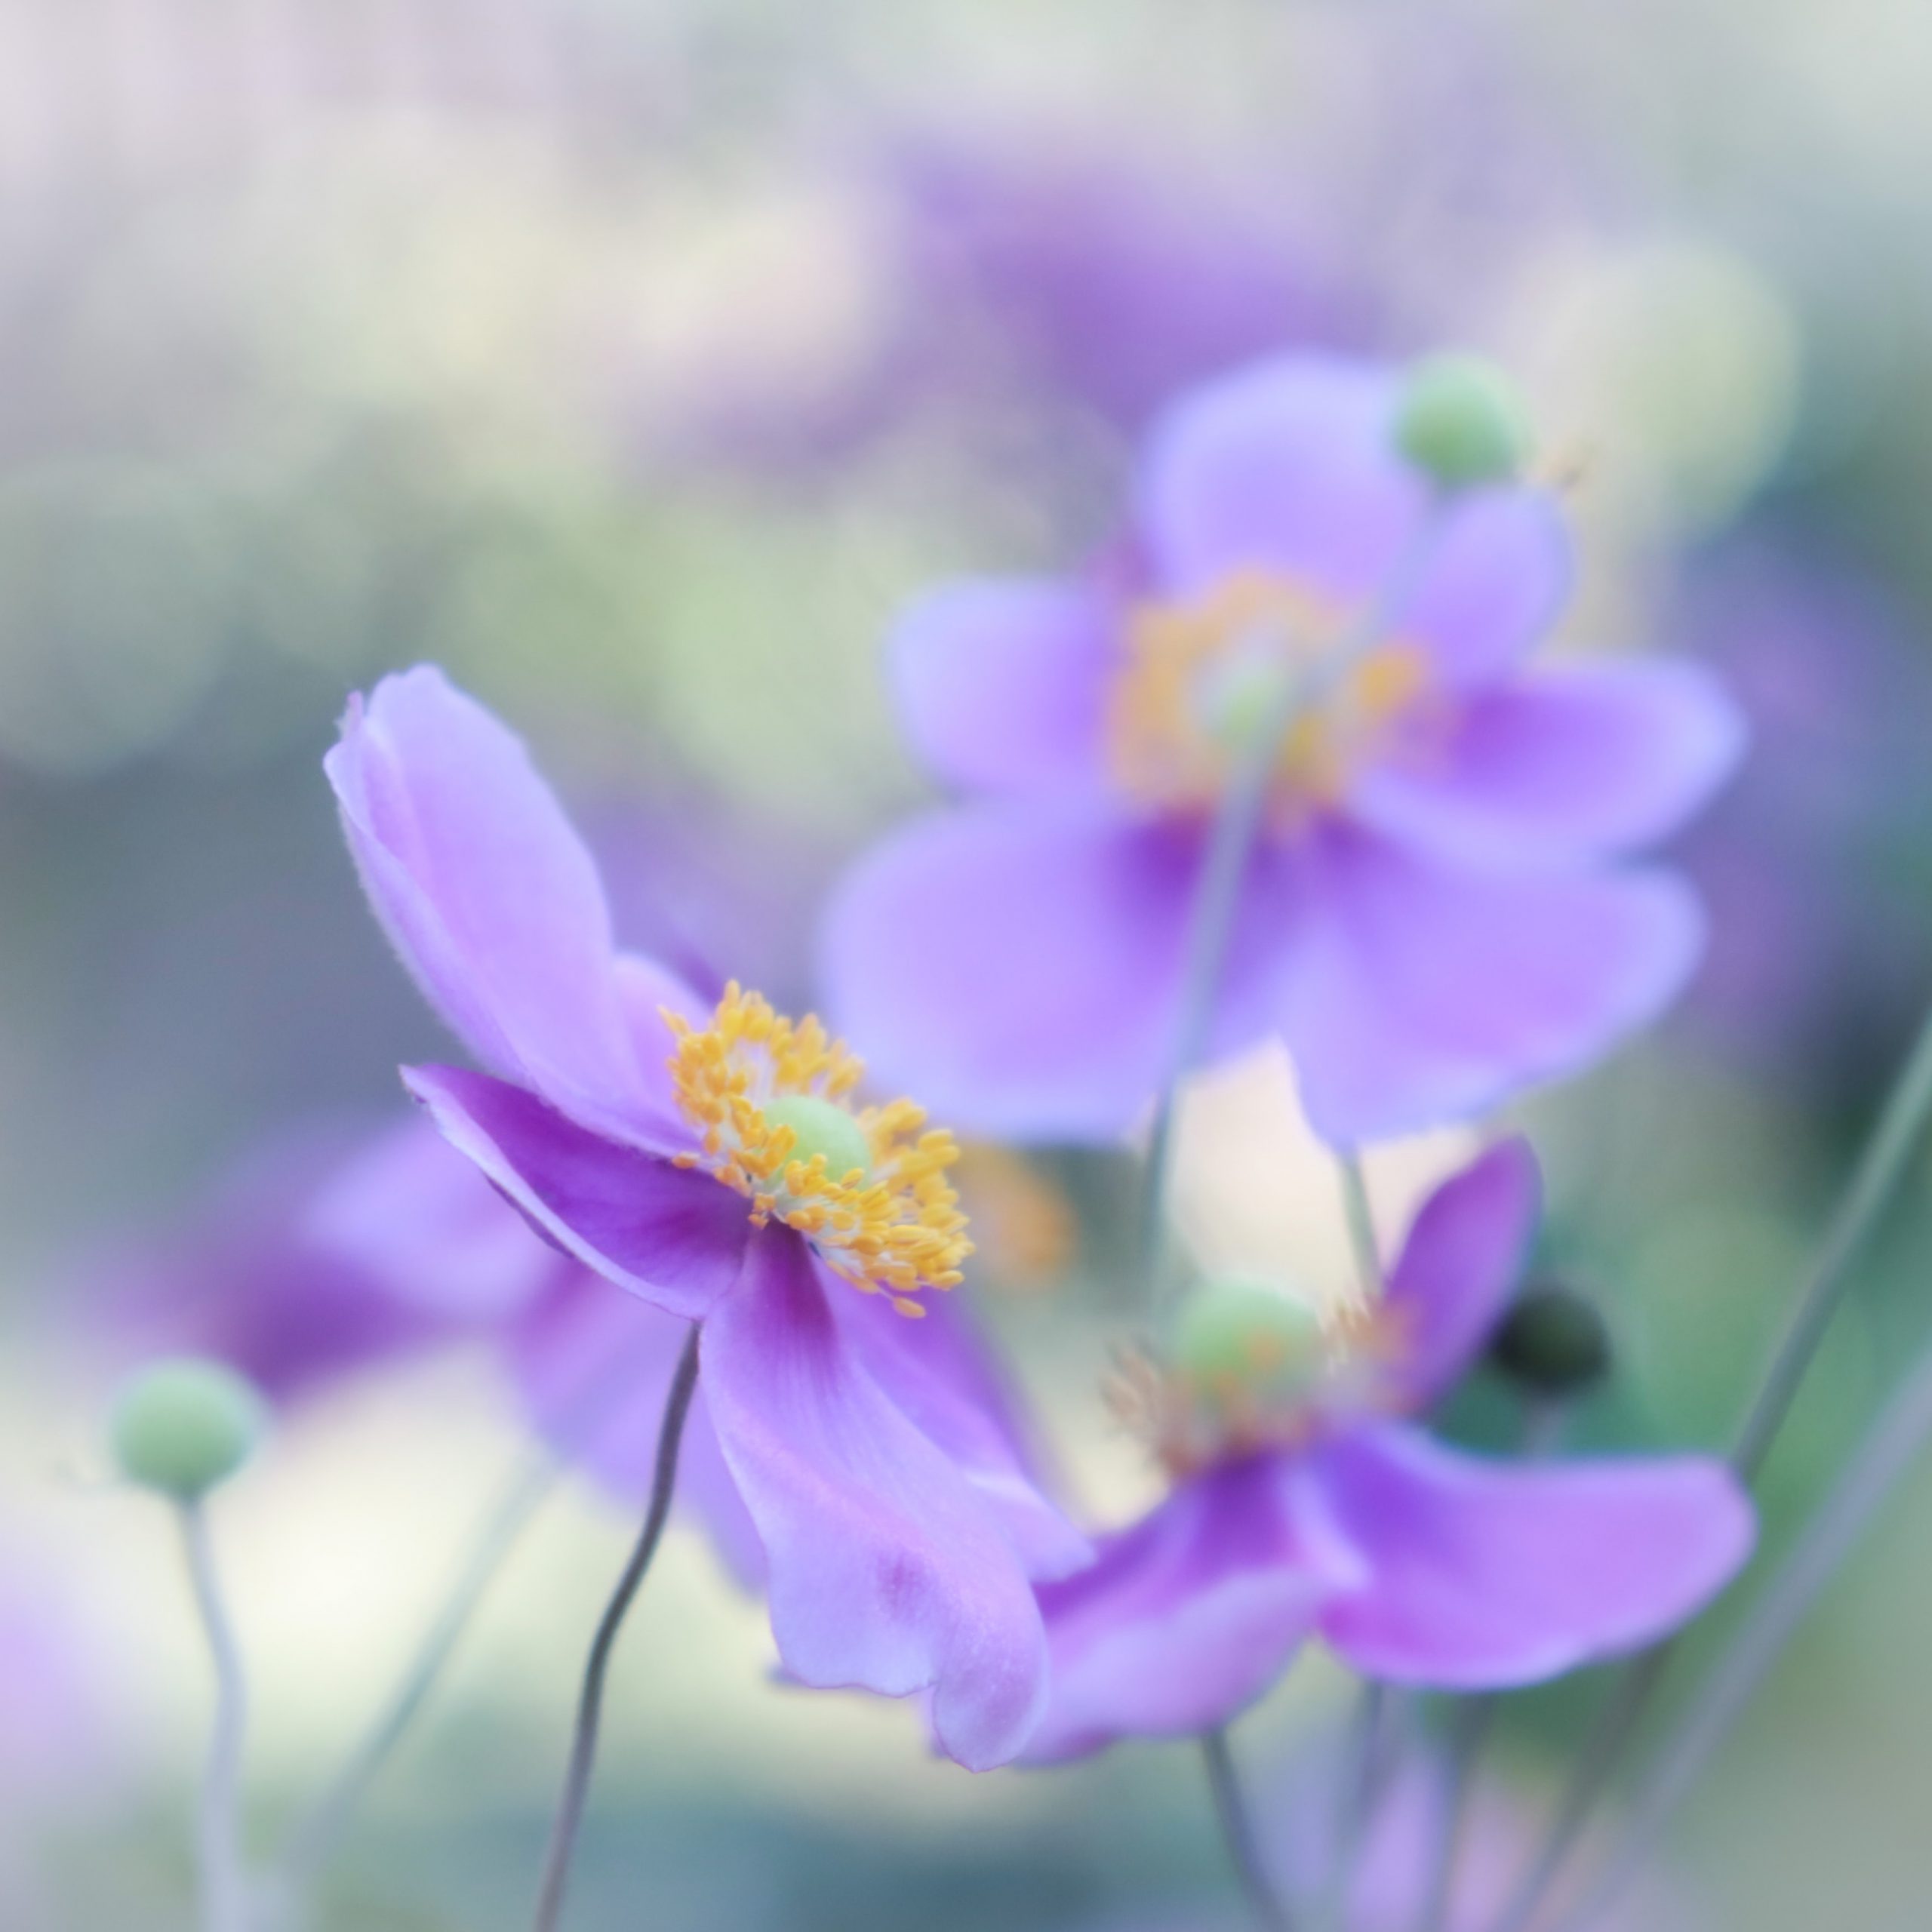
1245	1341
821	1127
183	1426
1238	699
1461	421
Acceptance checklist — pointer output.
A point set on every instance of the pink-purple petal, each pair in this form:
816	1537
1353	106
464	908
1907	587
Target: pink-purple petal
1288	467
1001	685
1019	970
674	1236
1484	1575
412	1214
486	892
940	1374
1415	994
1460	1267
1187	1618
594	1366
1493	572
888	1572
1562	767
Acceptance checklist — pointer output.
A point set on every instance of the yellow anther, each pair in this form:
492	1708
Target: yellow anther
749	1084
1193	669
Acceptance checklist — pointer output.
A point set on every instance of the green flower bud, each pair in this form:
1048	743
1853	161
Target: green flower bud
1552	1342
822	1127
1245	1339
1460	421
183	1425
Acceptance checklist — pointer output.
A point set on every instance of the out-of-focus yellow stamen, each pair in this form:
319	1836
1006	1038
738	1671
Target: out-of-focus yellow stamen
894	1226
1201	674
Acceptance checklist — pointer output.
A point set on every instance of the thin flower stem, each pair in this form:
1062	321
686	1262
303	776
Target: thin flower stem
1231	848
1361	1225
315	1840
1901	1125
1892	1444
1372	1758
1270	1911
1210	937
590	1704
218	1826
1469	1731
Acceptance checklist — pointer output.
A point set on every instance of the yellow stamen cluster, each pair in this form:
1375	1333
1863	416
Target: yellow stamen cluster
894	1226
1197	672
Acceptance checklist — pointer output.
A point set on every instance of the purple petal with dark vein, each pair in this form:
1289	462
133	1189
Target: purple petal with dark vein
1482	1575
890	1572
1188	1617
674	1236
1460	1267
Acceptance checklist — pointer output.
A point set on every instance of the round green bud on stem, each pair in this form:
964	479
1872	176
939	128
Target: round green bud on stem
822	1127
1552	1342
183	1425
1460	421
1246	1337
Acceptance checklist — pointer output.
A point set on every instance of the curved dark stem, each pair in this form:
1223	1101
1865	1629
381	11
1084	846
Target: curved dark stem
590	1703
1237	1829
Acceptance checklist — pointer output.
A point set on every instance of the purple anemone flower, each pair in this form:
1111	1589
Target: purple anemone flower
710	1161
324	1253
1436	912
1307	1503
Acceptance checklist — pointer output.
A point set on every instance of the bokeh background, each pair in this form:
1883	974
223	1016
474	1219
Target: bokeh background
635	358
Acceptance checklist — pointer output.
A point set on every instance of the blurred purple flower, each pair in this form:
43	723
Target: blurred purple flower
1434	915
1112	285
325	1253
1325	1512
1821	944
897	1522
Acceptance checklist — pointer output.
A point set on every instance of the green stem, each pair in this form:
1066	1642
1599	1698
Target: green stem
1890	1447
1231	847
1270	1913
315	1840
1372	1760
1901	1125
1360	1215
218	1826
590	1703
1468	1732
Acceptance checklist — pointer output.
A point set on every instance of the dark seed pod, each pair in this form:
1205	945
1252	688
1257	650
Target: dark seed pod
1552	1342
